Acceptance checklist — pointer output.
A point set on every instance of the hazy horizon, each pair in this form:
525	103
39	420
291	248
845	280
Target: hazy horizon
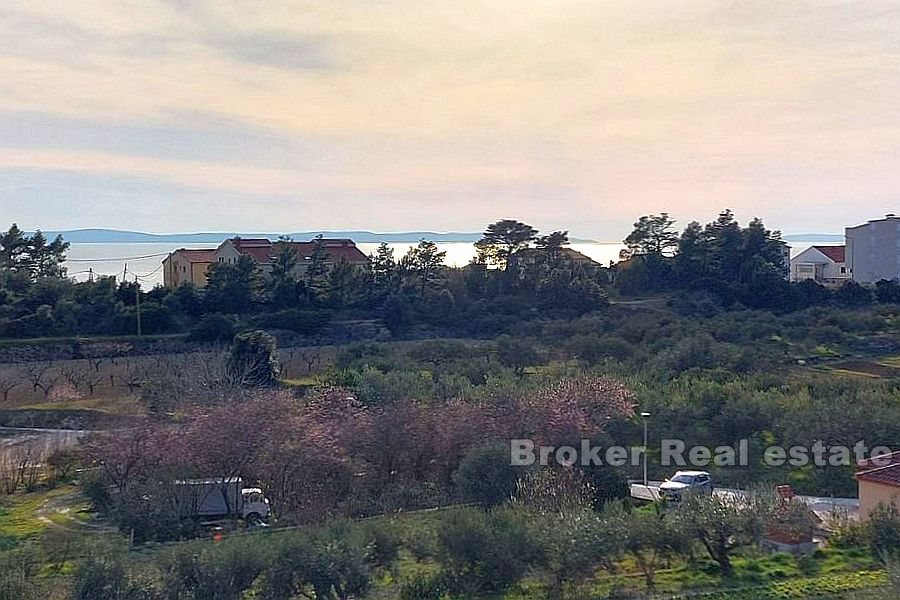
197	116
438	231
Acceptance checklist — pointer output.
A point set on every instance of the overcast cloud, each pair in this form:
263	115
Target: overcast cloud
425	114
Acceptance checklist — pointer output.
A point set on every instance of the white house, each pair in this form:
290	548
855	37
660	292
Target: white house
873	250
823	264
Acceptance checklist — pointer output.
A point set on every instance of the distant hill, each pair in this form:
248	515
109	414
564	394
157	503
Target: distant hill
118	236
115	236
814	238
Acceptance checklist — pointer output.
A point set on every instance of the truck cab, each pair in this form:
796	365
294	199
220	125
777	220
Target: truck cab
255	507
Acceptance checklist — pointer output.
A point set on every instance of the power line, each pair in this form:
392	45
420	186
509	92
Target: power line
116	259
147	275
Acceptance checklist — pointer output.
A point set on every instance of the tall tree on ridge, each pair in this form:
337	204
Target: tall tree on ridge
552	241
727	245
503	239
13	249
424	262
317	272
233	288
383	269
653	235
693	258
284	288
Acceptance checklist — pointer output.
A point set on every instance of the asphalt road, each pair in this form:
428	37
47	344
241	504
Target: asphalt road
823	507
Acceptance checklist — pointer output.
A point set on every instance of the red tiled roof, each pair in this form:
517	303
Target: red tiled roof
251	242
259	249
263	251
571	254
889	475
336	249
835	253
883	469
196	255
879	460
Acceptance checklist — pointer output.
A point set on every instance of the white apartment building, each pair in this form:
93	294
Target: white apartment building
873	250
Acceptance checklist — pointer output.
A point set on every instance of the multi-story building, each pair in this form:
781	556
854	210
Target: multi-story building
873	250
190	266
187	266
263	252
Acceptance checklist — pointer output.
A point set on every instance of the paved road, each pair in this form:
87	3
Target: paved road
43	441
13	430
823	507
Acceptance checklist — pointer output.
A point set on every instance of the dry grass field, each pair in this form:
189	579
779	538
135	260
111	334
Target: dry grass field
113	385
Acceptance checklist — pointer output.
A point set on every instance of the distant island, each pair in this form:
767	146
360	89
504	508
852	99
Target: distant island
116	236
836	238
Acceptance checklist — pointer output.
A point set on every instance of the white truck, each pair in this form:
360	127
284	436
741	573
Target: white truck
220	498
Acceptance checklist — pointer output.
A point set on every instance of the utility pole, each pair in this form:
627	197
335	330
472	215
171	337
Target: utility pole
91	274
645	416
137	303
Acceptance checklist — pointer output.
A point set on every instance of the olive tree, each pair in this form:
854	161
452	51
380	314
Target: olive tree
723	523
647	536
573	544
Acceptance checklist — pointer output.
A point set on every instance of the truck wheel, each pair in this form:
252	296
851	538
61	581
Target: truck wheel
252	520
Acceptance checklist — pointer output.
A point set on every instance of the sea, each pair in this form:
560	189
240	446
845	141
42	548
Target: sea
143	261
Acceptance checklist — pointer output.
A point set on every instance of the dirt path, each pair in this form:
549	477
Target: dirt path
61	512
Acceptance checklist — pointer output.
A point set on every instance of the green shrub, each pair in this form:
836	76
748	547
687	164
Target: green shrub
593	349
484	552
485	475
884	530
104	577
423	586
253	359
383	543
304	322
847	532
214	327
18	576
334	562
224	571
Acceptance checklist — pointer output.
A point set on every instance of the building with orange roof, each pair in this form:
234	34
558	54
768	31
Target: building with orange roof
878	481
187	265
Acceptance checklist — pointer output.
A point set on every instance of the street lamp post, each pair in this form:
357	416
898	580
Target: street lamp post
645	416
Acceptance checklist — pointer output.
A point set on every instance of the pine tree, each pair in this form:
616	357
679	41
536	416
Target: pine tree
503	239
653	235
384	272
341	283
13	249
284	288
317	272
425	263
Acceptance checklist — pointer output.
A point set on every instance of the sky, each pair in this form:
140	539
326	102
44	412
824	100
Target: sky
215	115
